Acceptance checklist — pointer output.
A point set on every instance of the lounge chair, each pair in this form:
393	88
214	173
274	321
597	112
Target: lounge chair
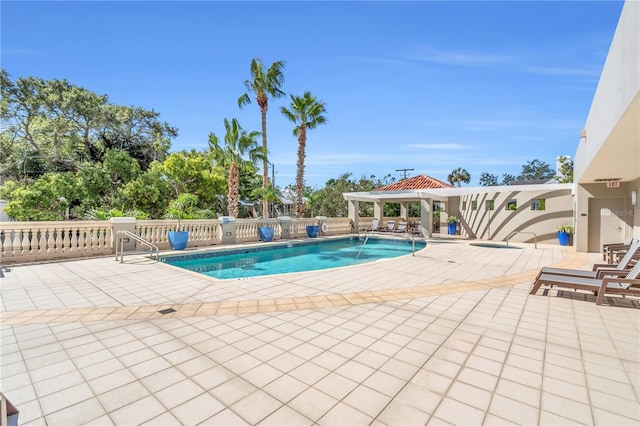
391	225
402	227
599	270
628	285
609	251
375	224
414	228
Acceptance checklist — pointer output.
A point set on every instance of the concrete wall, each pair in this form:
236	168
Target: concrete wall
497	224
587	229
619	83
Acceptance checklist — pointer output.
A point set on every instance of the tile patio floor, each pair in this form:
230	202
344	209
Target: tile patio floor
448	336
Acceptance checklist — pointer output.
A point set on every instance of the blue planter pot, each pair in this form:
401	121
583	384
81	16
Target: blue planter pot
312	231
563	238
178	239
453	227
266	233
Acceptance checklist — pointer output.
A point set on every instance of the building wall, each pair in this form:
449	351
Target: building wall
619	84
628	213
498	223
615	97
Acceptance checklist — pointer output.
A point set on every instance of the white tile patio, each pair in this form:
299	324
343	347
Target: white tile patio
449	335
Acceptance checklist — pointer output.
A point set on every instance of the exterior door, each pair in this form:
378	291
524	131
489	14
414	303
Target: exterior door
605	222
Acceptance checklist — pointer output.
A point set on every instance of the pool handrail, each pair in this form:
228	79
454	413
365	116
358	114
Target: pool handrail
535	237
120	239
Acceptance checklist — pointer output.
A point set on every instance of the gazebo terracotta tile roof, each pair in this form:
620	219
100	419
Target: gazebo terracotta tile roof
416	182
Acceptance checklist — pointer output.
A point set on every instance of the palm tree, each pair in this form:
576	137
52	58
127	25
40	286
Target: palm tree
306	112
312	200
458	176
265	85
270	195
237	145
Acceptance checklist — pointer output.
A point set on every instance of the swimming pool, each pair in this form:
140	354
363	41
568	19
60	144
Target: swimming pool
291	257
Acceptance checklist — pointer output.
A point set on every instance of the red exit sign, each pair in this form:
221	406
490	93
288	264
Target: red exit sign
613	184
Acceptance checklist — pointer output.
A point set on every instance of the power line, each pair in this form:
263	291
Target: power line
405	172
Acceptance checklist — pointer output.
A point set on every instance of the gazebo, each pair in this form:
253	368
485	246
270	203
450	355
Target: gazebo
418	189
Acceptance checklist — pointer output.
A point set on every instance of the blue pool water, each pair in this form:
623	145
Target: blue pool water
280	259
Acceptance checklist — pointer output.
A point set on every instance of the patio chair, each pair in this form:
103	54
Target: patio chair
402	227
415	228
375	224
391	225
600	270
627	285
610	250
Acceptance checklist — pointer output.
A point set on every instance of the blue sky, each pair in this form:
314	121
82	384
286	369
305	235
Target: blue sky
429	86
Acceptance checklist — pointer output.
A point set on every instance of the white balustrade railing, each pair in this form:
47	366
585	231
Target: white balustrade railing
35	241
202	232
299	227
247	230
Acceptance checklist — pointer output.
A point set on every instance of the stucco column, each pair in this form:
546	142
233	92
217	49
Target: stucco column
580	237
353	212
378	210
228	229
124	224
426	216
404	210
285	227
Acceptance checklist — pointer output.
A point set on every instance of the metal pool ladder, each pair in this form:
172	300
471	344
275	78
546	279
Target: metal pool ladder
535	237
366	238
120	243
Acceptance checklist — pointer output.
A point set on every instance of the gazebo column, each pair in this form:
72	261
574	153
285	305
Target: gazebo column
353	212
378	210
404	210
426	216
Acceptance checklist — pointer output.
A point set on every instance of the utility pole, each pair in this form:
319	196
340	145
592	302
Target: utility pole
405	172
273	175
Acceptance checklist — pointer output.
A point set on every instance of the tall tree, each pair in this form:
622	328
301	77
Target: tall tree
458	176
238	144
566	170
488	179
53	125
330	201
508	178
264	84
306	112
536	170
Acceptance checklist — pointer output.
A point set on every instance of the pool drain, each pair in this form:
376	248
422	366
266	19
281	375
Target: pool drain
166	311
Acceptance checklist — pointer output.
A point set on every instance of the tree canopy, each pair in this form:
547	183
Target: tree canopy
53	126
459	176
534	170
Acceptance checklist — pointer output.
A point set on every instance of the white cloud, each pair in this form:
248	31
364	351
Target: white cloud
447	146
18	51
432	54
564	71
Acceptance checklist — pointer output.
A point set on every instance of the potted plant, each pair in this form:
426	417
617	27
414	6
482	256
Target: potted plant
564	234
312	231
182	207
453	224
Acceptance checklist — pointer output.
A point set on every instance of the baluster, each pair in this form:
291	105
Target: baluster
82	241
11	243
